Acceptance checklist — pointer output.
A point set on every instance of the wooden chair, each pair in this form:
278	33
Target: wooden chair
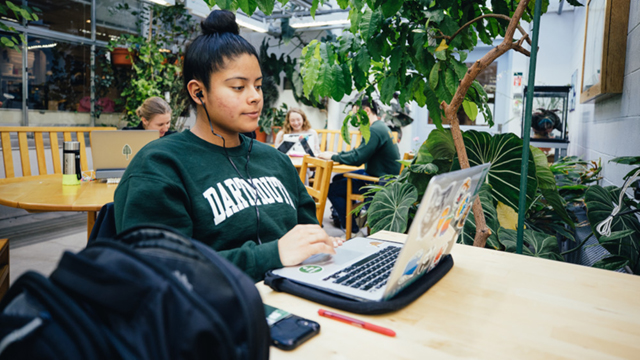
38	134
4	267
320	187
358	197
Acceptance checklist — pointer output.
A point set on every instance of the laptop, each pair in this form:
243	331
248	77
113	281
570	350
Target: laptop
112	151
298	144
368	269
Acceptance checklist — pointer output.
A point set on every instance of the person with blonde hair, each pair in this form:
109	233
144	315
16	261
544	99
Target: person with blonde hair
154	114
296	122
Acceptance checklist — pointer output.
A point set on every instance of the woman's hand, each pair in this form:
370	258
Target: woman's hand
303	241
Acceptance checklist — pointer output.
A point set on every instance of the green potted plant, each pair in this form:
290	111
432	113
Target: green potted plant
156	66
270	118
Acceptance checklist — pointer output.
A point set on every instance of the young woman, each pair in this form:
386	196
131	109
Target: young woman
241	197
296	123
154	114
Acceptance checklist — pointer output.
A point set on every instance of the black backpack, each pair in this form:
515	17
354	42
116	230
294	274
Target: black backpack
151	294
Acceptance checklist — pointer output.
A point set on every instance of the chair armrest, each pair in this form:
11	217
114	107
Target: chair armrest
362	177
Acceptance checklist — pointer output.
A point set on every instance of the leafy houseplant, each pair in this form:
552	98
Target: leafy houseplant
623	239
272	117
156	59
21	13
394	205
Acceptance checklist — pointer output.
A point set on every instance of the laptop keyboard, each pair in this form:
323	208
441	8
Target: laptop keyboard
370	273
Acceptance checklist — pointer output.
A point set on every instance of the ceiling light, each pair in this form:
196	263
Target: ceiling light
160	2
251	26
320	23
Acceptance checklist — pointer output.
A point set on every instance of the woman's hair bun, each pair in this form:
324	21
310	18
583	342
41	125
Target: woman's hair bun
220	22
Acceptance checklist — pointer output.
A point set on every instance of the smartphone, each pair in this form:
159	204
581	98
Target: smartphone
289	330
306	147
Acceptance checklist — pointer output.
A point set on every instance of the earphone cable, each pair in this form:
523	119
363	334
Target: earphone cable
224	146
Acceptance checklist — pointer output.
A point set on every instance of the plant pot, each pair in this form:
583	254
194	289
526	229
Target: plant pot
121	57
261	136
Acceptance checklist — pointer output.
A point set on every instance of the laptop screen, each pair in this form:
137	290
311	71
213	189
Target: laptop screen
114	150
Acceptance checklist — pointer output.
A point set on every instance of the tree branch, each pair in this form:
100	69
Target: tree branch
451	110
495	16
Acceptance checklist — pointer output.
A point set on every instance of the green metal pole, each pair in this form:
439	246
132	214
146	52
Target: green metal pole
526	132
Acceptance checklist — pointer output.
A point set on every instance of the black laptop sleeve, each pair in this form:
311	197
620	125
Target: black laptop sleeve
402	299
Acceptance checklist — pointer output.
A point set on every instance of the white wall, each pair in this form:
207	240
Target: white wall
611	127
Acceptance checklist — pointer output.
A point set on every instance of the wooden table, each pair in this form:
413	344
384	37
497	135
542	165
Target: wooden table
46	193
491	305
337	167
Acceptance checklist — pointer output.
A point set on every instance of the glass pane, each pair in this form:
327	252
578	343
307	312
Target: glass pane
59	80
109	83
112	21
10	85
593	44
66	16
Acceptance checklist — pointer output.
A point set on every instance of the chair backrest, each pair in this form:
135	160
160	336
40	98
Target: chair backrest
331	140
38	134
320	187
406	156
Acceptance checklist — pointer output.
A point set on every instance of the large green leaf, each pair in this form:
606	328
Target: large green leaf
535	243
266	6
325	80
433	106
468	233
248	6
387	88
600	203
440	144
369	23
389	209
339	83
547	185
504	152
390	8
471	109
310	75
611	263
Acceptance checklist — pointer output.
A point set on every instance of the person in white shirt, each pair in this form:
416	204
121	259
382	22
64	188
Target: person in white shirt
297	123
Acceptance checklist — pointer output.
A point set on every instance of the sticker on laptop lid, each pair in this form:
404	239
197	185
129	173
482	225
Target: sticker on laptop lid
462	191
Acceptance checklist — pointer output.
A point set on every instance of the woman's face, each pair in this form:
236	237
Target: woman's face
296	121
234	98
160	122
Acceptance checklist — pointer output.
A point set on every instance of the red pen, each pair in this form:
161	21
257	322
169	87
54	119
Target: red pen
356	322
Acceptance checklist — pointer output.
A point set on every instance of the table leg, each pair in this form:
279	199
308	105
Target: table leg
91	220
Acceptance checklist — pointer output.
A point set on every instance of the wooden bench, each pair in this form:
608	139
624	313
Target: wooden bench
39	135
331	140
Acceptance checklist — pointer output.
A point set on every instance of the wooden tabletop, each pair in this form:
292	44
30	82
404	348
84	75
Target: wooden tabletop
337	167
491	305
46	193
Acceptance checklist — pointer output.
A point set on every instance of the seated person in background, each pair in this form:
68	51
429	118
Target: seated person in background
241	197
154	114
296	122
379	154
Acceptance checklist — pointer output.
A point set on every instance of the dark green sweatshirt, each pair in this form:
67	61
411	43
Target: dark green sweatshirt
379	153
189	184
